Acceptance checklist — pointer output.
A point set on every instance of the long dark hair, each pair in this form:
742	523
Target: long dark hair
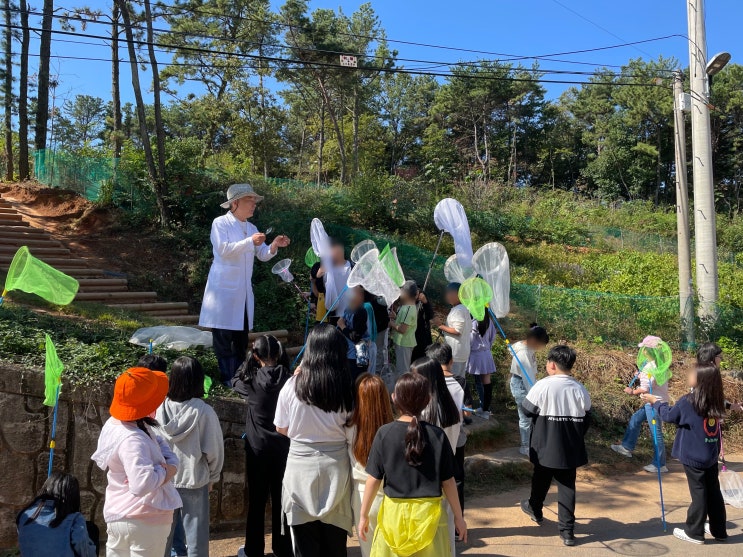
412	394
268	350
484	324
708	398
325	380
707	353
186	379
441	410
64	490
372	411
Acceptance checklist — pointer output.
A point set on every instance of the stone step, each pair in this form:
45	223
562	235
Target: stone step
112	298
184	319
81	272
171	307
5	221
53	261
36	251
30	240
7	211
164	312
19	227
10	215
123	288
100	282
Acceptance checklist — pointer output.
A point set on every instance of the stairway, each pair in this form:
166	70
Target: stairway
96	285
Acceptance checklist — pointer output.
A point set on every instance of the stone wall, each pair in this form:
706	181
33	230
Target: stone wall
25	425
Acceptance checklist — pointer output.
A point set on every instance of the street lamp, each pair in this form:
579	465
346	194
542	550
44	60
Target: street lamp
717	63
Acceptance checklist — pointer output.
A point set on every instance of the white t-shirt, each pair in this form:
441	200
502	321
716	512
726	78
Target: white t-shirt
459	318
454	433
528	359
305	423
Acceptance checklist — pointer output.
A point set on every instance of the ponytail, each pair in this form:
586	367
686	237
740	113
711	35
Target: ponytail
414	443
411	397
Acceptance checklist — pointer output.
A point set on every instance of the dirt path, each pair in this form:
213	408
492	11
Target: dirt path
614	518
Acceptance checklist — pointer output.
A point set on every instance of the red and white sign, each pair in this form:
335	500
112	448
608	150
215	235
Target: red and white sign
349	61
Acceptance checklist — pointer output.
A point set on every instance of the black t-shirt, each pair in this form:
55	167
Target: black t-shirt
401	480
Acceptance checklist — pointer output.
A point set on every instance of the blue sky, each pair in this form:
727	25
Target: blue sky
520	27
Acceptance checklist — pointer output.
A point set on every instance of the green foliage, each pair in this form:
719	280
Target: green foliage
91	350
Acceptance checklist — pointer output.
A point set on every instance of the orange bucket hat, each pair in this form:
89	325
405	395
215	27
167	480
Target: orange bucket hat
138	393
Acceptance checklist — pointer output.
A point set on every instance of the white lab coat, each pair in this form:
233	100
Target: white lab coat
229	288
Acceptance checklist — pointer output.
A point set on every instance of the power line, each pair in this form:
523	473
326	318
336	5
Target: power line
319	64
604	29
430	63
508	57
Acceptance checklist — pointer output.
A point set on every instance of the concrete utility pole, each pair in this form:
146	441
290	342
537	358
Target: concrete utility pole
705	233
686	299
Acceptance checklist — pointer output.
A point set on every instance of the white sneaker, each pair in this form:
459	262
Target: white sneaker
524	451
680	534
621	450
241	551
653	470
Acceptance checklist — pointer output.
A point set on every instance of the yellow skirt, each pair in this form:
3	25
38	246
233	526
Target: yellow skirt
411	528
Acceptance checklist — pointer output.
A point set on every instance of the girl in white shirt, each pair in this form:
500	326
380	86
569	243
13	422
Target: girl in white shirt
312	410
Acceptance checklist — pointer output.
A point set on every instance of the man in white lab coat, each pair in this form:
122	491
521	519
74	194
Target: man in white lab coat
228	303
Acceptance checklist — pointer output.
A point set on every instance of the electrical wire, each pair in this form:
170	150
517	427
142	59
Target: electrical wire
317	64
430	64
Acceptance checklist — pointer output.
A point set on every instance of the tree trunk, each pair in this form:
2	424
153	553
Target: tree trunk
157	104
355	130
336	127
115	82
141	113
42	102
321	143
23	168
8	92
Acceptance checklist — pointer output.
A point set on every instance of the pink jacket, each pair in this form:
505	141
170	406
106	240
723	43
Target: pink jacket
136	473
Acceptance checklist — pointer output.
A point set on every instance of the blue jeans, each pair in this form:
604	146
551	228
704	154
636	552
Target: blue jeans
645	414
179	539
519	392
195	517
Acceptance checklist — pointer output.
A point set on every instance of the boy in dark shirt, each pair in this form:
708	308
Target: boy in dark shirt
559	407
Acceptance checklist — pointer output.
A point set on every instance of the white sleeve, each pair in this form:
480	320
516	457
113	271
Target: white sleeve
263	252
282	417
221	241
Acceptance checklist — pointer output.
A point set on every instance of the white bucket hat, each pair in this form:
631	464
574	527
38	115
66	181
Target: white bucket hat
238	191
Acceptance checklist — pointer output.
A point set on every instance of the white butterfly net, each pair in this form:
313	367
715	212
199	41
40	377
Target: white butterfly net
491	263
282	270
321	246
454	272
371	276
450	217
361	248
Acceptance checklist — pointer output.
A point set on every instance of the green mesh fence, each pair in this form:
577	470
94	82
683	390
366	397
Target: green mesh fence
85	175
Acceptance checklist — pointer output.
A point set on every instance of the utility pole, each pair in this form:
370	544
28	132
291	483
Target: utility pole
686	300
705	232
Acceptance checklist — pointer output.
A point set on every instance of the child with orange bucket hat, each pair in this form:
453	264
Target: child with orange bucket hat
140	496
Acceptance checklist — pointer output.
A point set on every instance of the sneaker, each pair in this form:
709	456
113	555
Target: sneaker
241	551
653	470
567	538
524	451
482	414
528	511
708	531
621	450
682	535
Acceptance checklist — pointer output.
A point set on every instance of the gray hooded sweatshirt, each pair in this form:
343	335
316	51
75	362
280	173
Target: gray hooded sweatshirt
192	430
